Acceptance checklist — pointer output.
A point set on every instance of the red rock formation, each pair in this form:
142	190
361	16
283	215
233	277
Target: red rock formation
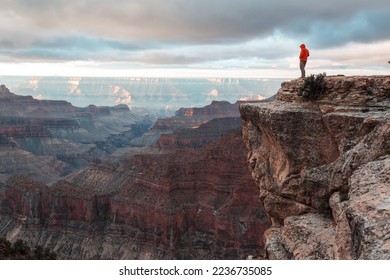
322	168
34	127
217	109
193	117
198	136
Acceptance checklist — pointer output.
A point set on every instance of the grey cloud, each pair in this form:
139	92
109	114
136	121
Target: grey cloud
41	55
180	20
71	48
365	26
169	59
63	29
84	43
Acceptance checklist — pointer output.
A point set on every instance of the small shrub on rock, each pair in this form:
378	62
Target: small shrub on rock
313	87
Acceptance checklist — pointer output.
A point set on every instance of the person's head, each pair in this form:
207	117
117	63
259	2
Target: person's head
302	46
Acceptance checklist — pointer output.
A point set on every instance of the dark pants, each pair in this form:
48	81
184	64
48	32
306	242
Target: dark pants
302	65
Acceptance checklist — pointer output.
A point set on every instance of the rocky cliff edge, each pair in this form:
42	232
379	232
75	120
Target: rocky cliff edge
323	168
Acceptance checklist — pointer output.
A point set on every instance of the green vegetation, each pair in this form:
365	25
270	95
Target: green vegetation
313	87
20	250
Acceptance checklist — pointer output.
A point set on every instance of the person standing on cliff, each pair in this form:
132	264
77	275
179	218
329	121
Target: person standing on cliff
303	59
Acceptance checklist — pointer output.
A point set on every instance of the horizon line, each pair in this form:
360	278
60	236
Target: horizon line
145	77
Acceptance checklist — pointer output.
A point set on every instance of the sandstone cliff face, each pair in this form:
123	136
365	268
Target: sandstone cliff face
323	169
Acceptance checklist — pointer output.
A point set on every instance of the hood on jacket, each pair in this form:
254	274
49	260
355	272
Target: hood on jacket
302	46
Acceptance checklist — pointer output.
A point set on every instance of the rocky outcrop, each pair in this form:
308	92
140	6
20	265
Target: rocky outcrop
323	169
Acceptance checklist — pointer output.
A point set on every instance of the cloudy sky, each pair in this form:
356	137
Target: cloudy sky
197	38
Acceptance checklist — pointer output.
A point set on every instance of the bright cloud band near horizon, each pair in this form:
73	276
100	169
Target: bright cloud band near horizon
186	38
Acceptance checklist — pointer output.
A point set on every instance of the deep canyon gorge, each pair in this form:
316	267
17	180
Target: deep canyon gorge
283	178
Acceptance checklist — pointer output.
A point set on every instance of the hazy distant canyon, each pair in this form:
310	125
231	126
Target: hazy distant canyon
157	94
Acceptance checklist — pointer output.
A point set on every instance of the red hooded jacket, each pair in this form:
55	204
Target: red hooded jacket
304	53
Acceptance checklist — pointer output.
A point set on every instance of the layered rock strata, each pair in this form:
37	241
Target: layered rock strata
47	139
323	169
191	198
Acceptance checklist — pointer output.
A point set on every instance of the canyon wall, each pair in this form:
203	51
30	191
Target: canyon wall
323	169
